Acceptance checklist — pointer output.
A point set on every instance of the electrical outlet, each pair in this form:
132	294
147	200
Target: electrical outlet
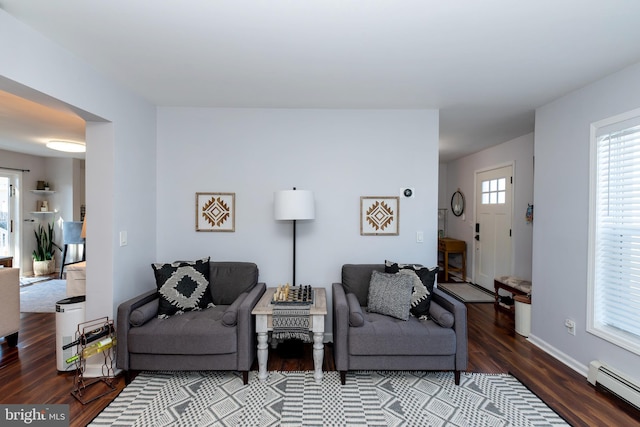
570	325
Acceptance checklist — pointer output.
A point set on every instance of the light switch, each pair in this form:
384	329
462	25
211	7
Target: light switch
123	238
419	237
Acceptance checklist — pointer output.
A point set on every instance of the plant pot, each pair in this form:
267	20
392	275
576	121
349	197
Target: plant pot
43	268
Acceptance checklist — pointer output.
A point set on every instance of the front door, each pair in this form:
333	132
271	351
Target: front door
493	225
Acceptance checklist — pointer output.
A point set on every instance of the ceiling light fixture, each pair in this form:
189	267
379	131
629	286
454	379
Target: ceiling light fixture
67	146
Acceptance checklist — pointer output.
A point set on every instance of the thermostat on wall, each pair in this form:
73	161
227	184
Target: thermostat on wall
407	192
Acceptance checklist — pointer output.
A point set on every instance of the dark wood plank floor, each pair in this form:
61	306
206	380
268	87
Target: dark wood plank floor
28	373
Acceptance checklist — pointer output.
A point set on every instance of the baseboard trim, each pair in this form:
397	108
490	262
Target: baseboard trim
561	356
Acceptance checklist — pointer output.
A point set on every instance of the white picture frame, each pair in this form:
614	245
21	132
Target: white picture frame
216	212
379	216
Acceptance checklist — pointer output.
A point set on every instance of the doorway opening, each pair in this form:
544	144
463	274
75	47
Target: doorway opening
9	215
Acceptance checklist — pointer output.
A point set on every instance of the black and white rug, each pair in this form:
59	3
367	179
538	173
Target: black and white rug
295	399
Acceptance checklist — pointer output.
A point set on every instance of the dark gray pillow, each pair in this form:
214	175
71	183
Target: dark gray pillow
390	294
440	315
144	313
356	318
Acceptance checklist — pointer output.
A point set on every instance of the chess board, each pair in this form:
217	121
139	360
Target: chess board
297	295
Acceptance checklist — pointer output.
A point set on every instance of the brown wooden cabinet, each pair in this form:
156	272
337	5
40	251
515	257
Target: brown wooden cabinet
448	246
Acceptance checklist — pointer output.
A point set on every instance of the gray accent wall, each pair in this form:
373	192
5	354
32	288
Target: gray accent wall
562	216
338	154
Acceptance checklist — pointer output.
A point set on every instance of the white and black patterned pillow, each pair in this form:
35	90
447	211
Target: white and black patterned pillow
182	286
424	279
390	294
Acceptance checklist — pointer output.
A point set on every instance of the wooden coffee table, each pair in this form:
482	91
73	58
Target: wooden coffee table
264	316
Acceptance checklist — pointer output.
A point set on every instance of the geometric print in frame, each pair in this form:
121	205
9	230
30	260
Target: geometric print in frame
379	216
215	211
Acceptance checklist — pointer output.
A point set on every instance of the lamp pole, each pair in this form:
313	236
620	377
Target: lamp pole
294	251
293	205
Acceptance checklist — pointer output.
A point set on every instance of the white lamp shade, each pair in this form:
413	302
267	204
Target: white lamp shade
293	204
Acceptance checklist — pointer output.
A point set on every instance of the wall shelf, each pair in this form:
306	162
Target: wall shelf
44	194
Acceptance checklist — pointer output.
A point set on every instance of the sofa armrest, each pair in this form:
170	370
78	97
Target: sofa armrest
230	315
356	318
340	327
459	311
9	301
123	325
247	327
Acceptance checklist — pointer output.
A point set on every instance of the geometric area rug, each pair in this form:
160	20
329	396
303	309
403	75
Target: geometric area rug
369	398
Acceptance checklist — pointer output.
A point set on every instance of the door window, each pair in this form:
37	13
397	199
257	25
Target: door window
494	191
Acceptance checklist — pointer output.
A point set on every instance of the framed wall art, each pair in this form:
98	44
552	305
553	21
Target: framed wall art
215	211
379	216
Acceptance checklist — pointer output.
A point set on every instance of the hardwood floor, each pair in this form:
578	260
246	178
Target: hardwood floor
28	372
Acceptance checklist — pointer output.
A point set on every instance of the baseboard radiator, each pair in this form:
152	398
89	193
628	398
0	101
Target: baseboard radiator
614	381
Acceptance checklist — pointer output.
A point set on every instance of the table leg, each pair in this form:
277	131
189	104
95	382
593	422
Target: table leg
446	266
263	354
464	265
318	355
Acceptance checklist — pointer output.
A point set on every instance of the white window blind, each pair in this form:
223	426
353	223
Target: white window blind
615	234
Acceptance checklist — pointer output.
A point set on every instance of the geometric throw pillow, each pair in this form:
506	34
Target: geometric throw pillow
390	294
424	279
182	286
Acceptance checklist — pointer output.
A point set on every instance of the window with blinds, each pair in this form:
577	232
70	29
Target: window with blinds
614	238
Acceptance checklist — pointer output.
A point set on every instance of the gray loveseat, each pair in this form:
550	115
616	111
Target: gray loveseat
381	342
219	339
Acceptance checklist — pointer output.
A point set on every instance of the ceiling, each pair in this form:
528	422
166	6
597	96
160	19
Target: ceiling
485	64
26	127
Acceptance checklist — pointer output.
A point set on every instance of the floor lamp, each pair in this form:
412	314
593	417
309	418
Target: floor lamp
293	205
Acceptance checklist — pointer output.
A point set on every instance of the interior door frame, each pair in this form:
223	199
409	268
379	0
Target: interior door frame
15	214
477	172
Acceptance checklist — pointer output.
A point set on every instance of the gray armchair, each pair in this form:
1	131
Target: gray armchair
372	341
221	338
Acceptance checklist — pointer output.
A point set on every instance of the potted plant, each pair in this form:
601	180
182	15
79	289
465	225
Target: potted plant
43	256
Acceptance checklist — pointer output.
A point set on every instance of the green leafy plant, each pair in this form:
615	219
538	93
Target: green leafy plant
44	243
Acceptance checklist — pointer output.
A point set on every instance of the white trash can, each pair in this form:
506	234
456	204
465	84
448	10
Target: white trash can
523	314
69	313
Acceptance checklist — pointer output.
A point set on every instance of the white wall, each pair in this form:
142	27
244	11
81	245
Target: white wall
461	174
561	219
120	159
338	154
